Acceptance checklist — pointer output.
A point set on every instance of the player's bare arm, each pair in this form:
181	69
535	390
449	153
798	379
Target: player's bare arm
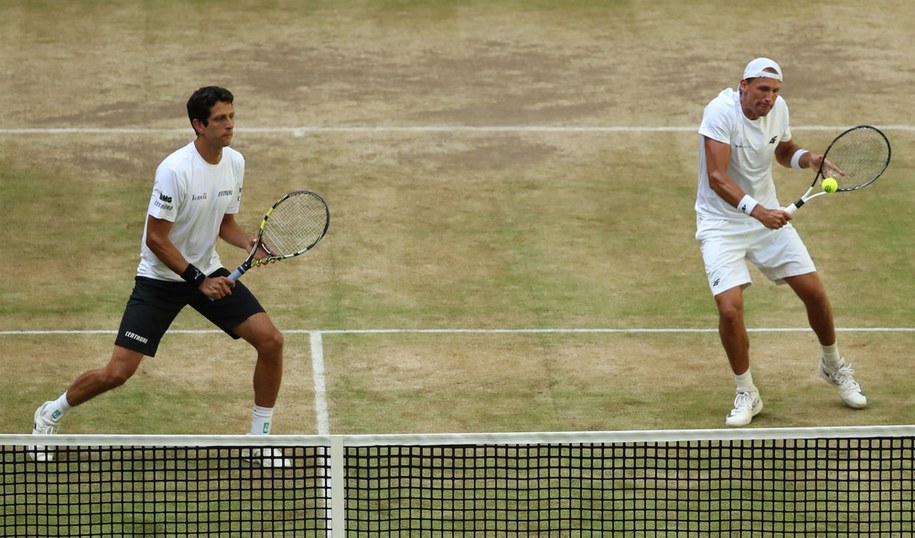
785	151
232	233
717	155
157	240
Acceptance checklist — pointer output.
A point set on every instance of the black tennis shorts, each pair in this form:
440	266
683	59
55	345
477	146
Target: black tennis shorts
154	304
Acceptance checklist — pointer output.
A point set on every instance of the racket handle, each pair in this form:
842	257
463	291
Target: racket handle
795	206
236	274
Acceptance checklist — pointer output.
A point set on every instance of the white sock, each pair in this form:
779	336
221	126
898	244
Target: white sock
56	409
745	382
260	420
831	357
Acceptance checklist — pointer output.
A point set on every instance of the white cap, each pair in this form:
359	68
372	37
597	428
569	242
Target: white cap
757	68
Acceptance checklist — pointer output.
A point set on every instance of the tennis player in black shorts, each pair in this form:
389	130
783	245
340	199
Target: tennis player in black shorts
195	196
154	304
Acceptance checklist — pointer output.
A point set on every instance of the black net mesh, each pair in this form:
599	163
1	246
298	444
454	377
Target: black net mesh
835	486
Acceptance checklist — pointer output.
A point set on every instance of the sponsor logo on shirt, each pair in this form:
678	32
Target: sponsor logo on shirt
201	196
225	193
164	201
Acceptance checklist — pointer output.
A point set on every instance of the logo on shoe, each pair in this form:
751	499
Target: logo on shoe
55	415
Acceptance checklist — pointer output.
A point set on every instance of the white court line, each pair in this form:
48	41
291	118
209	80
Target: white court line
570	330
322	417
410	129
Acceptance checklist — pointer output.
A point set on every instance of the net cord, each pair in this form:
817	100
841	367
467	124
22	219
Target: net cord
433	439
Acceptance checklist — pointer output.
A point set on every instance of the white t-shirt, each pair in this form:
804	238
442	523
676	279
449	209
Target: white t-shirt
195	196
753	144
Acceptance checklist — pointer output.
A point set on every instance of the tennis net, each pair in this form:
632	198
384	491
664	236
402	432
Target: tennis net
747	482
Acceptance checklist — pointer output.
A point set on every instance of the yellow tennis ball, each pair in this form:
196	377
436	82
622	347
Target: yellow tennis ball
830	184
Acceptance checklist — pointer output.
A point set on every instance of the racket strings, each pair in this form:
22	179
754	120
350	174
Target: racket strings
860	156
295	225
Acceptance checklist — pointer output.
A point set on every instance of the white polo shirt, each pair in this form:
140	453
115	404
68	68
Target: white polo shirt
753	144
195	196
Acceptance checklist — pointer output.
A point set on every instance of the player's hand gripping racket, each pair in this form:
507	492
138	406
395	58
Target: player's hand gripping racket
856	158
294	224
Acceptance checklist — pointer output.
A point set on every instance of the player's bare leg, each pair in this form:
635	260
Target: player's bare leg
736	342
120	368
731	329
832	367
123	364
819	312
260	332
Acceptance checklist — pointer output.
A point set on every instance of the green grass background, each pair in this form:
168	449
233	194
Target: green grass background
447	229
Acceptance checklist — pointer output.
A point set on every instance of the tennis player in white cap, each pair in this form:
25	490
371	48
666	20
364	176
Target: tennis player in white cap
738	218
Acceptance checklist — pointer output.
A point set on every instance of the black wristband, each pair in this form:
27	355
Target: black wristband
193	276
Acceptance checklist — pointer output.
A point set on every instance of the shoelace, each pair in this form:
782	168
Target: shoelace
844	377
46	428
743	401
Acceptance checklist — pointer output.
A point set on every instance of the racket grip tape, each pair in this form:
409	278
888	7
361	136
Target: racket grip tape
236	274
795	206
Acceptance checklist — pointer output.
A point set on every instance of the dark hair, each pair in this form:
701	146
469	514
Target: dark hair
203	100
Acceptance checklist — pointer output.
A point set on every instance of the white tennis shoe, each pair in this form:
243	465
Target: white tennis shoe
266	457
843	378
40	426
746	406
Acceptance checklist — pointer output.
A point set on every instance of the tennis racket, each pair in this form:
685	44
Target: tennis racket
856	158
294	224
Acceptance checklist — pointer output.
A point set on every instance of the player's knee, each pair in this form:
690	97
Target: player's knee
818	296
729	310
115	377
271	342
278	342
730	316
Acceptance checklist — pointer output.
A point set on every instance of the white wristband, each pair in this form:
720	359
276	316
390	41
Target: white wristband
747	203
796	158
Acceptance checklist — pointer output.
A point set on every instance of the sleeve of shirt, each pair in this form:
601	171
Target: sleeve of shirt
239	172
715	125
786	136
163	203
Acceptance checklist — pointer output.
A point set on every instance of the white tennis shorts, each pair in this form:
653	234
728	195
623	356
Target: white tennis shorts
727	245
